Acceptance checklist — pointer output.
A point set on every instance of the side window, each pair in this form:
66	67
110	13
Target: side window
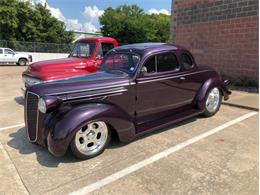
167	62
106	47
186	61
161	63
8	51
100	52
1	51
150	65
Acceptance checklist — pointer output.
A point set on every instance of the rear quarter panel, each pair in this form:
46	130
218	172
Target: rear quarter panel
209	78
197	82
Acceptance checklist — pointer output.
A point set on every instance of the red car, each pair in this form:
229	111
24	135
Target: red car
84	58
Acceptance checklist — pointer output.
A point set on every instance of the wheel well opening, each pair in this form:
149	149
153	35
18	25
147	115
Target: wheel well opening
22	59
221	92
114	134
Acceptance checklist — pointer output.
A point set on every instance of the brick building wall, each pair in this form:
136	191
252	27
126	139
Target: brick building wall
219	33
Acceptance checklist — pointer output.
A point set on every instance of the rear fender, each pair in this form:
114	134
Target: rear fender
64	128
209	84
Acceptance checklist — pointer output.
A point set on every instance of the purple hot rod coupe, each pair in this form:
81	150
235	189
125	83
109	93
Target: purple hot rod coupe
138	89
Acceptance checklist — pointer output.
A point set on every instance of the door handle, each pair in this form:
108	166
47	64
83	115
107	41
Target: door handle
80	67
182	78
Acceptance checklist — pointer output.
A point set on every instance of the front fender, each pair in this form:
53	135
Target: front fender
64	126
209	84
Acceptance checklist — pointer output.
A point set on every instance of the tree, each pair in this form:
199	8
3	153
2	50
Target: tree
130	24
21	21
159	27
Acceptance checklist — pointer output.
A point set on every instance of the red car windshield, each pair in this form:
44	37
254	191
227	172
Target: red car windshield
83	49
124	62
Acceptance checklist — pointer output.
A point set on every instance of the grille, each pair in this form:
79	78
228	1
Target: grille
31	115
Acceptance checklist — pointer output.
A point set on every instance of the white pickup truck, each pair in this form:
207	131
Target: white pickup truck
8	56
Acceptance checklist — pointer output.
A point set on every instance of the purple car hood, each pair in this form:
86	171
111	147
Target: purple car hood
90	82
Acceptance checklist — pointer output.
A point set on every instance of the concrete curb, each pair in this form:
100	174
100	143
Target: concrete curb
241	106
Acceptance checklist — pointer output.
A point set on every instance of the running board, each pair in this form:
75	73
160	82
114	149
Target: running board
164	122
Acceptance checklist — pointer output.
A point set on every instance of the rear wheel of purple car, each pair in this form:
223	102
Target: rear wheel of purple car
213	102
91	140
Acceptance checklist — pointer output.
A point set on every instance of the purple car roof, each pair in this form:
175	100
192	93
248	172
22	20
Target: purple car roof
143	48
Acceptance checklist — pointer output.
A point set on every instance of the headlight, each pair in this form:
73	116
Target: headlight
42	105
31	81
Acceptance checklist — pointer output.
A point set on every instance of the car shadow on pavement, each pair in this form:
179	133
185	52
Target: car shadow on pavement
19	100
116	143
19	141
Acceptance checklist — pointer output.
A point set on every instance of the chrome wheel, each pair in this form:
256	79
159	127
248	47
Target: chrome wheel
92	138
213	99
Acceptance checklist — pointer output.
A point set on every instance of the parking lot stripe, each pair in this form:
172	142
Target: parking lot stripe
12	126
120	174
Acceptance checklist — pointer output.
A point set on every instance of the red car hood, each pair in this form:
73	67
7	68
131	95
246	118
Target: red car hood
59	68
57	64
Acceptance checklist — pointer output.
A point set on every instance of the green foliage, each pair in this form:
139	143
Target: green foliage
130	24
19	20
244	81
240	81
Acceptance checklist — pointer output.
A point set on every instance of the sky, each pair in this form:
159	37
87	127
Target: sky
82	15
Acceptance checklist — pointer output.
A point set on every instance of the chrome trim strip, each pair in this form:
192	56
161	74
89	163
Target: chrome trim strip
91	89
97	94
96	98
171	77
26	125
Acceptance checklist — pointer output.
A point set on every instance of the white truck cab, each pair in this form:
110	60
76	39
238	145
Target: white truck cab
8	56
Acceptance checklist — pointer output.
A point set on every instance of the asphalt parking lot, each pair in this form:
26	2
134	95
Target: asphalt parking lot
217	155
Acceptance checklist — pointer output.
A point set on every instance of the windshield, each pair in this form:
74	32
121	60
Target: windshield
83	49
124	62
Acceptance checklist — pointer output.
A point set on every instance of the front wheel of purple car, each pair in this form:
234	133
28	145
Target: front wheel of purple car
91	140
213	102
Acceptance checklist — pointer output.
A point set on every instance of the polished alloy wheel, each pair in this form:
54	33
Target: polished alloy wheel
92	138
212	101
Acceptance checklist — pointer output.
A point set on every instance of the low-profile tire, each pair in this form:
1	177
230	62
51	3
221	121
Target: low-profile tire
22	62
91	140
213	102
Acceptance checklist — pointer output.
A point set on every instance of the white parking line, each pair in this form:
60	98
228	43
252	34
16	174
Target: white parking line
109	179
12	126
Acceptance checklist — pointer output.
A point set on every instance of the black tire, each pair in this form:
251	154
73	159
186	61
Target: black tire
22	62
208	113
76	152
